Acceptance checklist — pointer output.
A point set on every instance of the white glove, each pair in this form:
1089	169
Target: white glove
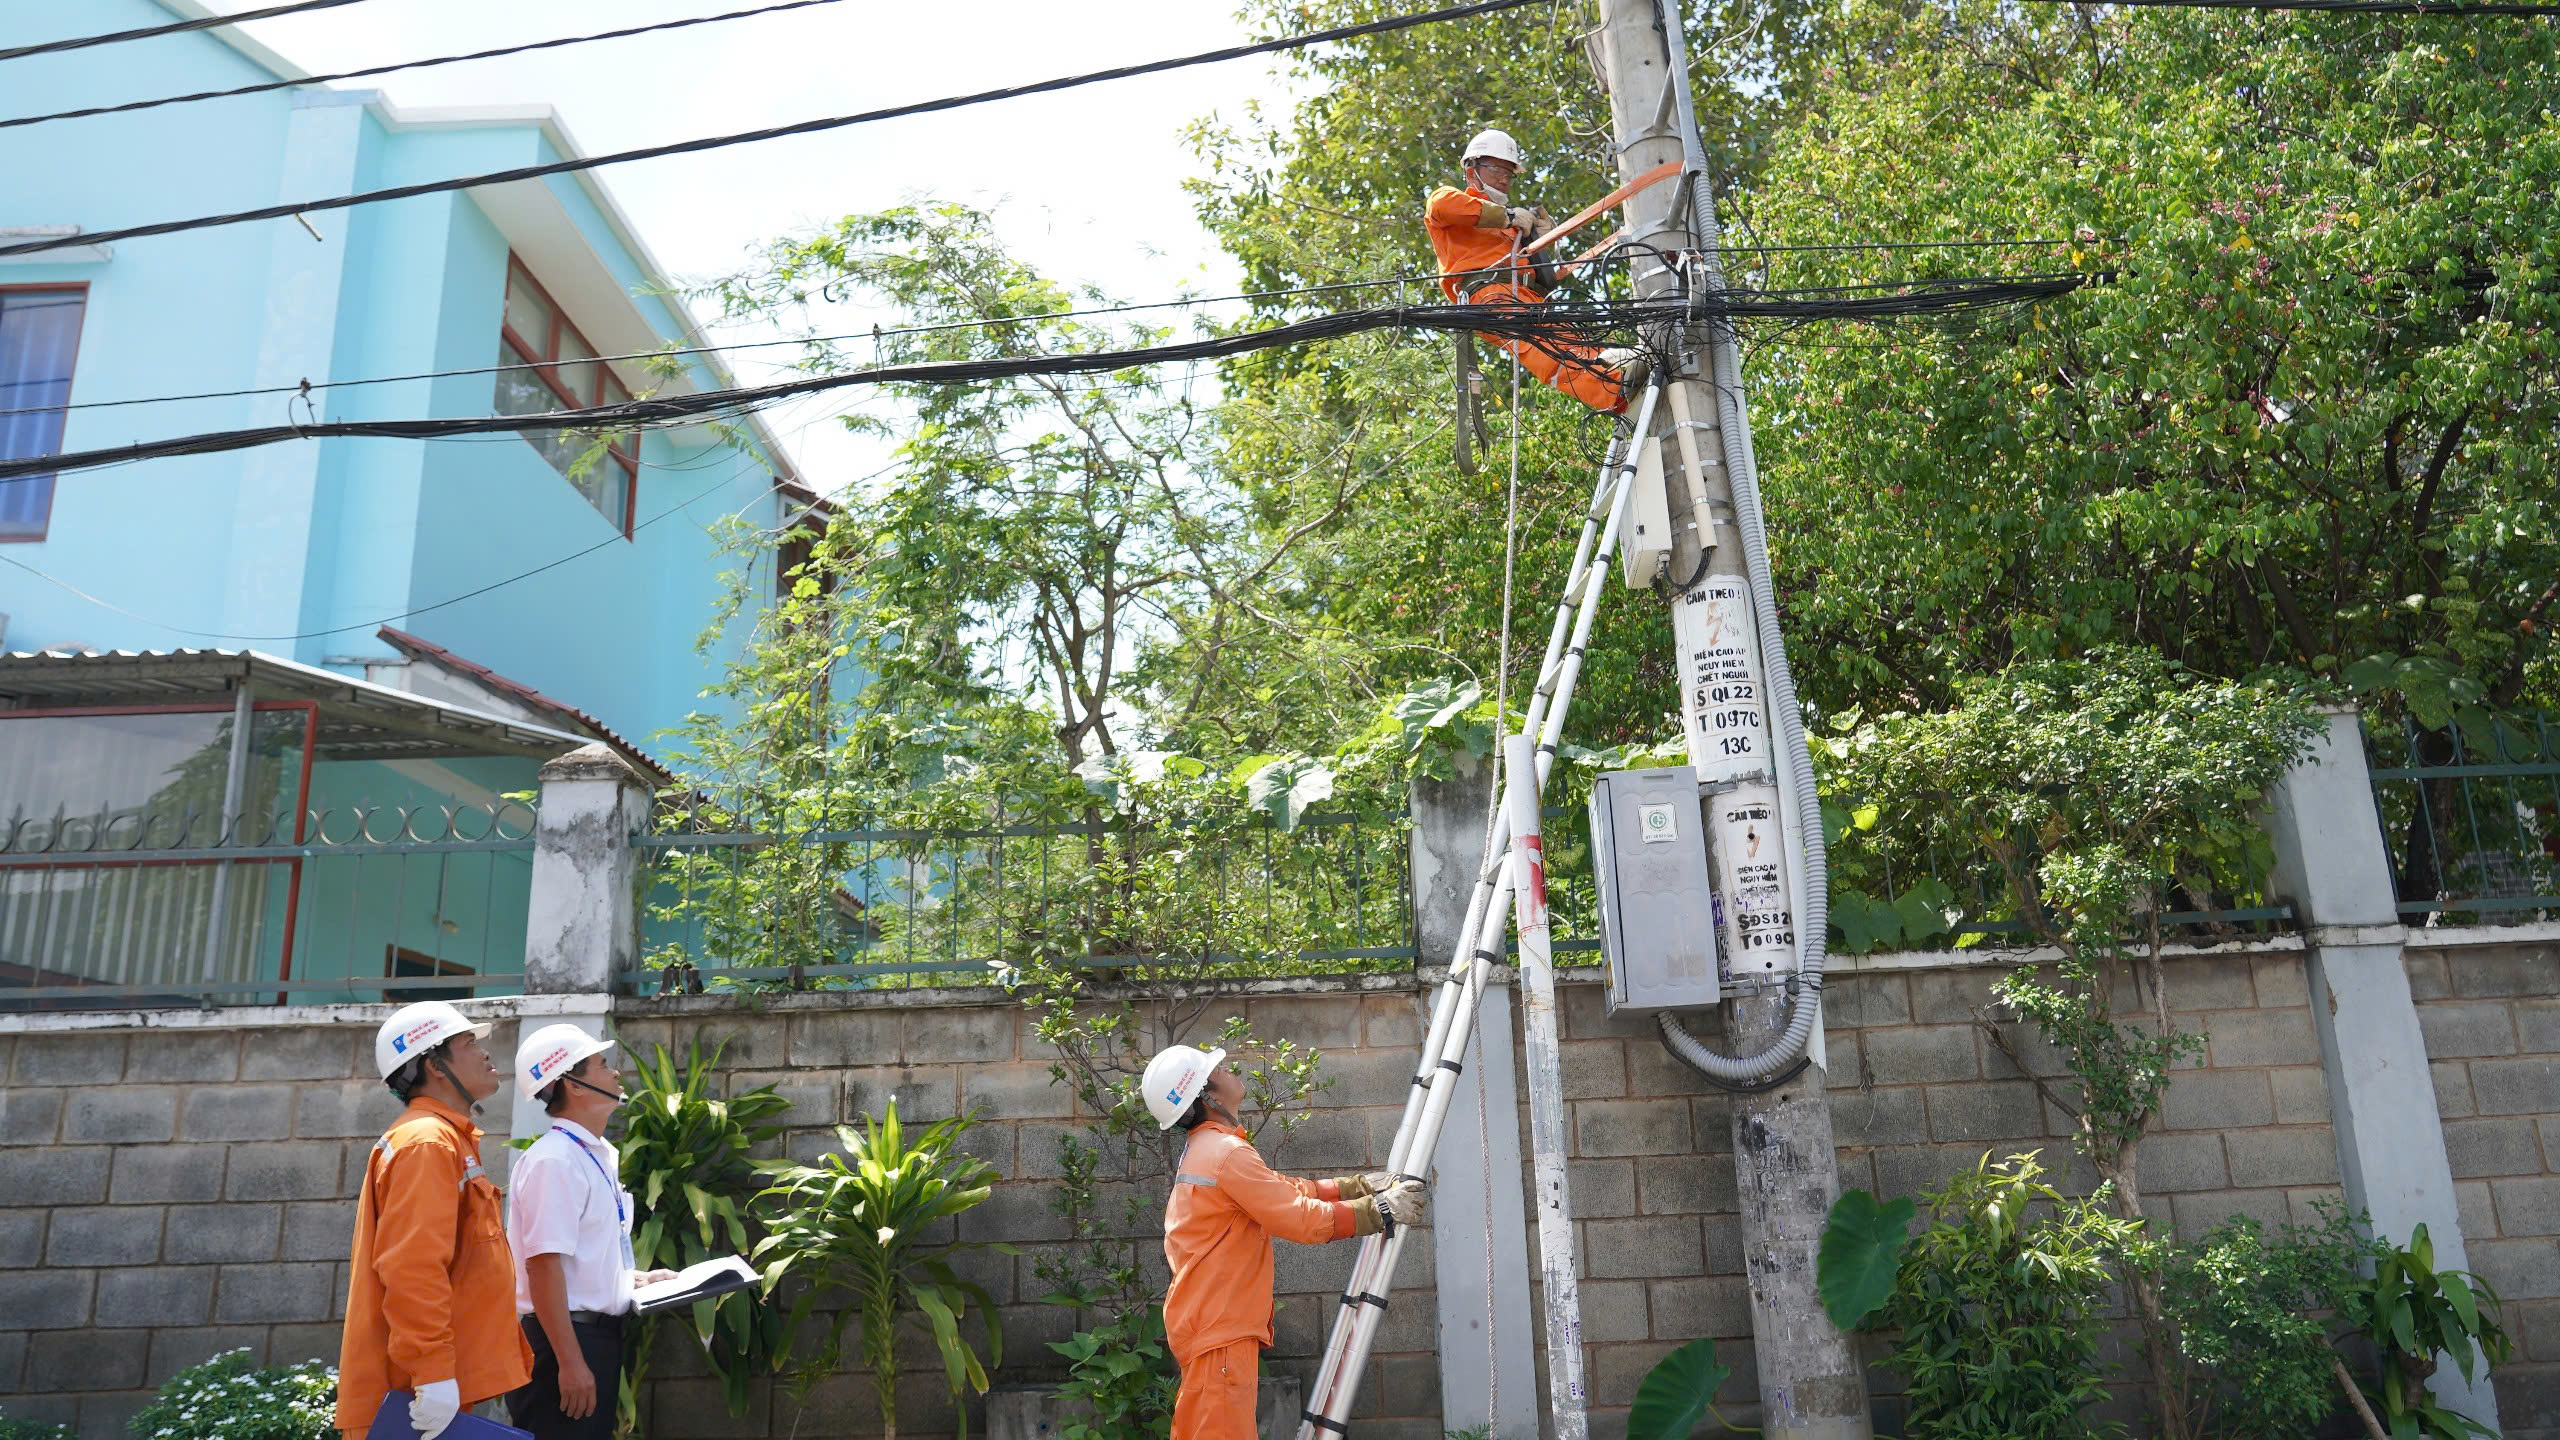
1406	1200
434	1407
1524	220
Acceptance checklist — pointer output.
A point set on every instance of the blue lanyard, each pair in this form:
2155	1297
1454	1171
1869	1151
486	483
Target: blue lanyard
618	1217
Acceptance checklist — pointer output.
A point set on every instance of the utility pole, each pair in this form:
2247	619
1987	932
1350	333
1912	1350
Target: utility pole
1811	1386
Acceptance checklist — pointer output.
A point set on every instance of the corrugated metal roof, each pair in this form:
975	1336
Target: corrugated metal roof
358	719
420	648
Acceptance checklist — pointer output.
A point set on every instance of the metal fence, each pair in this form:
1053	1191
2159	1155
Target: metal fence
864	908
117	910
2471	817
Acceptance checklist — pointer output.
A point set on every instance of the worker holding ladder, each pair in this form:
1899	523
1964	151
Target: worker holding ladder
1227	1207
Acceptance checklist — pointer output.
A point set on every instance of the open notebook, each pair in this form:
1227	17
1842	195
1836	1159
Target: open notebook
692	1283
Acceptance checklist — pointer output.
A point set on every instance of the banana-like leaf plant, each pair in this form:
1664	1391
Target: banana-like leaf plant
686	1160
857	1225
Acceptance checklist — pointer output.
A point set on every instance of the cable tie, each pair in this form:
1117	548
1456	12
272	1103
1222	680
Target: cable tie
1324	1423
1453	1067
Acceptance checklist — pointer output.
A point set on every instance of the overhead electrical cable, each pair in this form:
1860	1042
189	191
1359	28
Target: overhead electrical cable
1576	324
611	540
989	322
209	22
369	70
774	132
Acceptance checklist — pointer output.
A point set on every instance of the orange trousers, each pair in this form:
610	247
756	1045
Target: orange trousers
1574	369
1219	1391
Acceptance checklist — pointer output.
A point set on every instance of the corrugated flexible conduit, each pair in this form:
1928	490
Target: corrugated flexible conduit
1813	890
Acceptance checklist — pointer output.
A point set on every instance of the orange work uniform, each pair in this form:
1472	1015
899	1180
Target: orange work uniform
431	1292
1226	1209
1471	235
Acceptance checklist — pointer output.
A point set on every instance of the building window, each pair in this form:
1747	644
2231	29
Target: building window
563	374
39	338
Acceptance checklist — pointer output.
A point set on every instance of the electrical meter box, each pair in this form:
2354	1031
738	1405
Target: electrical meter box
1657	904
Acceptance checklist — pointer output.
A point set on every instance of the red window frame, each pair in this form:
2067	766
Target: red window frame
54	287
545	359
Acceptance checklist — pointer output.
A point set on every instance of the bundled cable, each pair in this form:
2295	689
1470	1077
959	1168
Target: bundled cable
1567	324
775	132
207	22
504	50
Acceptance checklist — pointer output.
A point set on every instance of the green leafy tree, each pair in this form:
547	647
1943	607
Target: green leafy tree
2304	419
858	1228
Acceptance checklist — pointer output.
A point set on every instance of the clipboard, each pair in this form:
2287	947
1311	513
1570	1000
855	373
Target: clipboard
391	1422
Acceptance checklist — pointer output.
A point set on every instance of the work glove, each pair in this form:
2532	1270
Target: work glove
433	1407
1406	1201
1530	223
1352	1187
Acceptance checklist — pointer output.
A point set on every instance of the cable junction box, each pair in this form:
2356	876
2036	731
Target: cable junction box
1657	906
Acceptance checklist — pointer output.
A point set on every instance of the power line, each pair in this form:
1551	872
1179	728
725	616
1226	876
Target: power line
1567	323
610	540
977	323
83	42
261	89
776	132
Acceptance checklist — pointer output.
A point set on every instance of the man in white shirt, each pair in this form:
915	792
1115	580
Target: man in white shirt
569	1224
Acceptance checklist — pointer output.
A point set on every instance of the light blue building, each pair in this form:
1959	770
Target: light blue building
305	550
523	578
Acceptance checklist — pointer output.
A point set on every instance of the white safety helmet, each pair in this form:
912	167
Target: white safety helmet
544	1055
413	1030
1491	145
1175	1078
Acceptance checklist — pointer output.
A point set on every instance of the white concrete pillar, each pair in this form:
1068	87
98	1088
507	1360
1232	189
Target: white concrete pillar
1479	1223
2330	863
582	922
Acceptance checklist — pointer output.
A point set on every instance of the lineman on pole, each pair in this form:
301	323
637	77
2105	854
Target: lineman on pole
1477	233
1226	1209
569	1223
431	1290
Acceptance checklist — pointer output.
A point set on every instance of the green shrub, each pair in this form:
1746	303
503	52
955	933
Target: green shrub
2259	1363
1124	1373
230	1398
32	1430
2001	1303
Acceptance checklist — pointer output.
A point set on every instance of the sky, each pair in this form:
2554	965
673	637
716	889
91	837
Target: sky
1087	183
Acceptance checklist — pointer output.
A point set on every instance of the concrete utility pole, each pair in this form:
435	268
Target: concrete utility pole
1811	1387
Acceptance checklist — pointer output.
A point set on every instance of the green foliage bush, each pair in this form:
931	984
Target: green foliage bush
2249	1311
33	1430
1125	1377
2001	1305
229	1397
686	1161
856	1230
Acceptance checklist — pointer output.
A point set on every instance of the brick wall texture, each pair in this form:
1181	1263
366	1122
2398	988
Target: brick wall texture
168	1194
2492	1022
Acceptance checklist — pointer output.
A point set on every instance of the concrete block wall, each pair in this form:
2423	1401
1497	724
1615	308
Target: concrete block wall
939	1053
167	1195
2491	1015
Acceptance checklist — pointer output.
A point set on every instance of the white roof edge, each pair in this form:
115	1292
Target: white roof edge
230	35
557	131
